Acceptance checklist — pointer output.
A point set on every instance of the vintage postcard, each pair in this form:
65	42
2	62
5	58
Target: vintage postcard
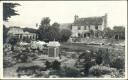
63	40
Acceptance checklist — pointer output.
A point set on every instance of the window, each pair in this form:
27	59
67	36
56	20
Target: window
96	27
85	35
78	27
84	27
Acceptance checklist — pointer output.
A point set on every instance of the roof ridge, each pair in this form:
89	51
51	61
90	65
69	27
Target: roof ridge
91	17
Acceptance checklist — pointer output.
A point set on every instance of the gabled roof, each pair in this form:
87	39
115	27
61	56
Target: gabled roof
88	21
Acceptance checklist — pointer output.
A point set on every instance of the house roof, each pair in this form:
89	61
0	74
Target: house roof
88	21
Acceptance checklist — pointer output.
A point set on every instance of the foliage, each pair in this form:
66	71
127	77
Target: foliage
48	64
119	28
118	63
56	65
99	70
88	61
30	70
103	56
8	62
8	10
5	30
25	57
45	23
108	32
99	57
13	40
71	72
55	24
66	72
92	32
87	66
47	32
22	57
65	34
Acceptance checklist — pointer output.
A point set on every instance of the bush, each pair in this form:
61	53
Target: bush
48	65
8	62
70	72
66	72
99	70
30	70
56	65
87	66
118	63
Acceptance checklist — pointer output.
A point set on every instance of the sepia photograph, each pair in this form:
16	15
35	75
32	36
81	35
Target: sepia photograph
64	39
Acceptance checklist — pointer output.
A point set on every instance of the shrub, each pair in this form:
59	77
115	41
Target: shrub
48	64
87	66
70	72
56	65
99	70
8	62
30	70
66	72
118	63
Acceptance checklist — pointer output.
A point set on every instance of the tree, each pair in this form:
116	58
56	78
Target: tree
45	23
108	32
92	32
8	10
43	29
55	24
13	40
5	30
65	34
48	32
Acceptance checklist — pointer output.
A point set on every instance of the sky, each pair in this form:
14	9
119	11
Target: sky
32	12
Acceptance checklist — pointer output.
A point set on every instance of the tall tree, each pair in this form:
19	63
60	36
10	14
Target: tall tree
48	32
45	23
65	34
8	10
43	29
55	24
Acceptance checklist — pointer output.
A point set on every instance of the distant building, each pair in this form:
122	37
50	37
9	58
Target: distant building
82	27
119	32
18	32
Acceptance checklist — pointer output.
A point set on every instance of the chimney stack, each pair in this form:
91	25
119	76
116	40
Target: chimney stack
76	17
